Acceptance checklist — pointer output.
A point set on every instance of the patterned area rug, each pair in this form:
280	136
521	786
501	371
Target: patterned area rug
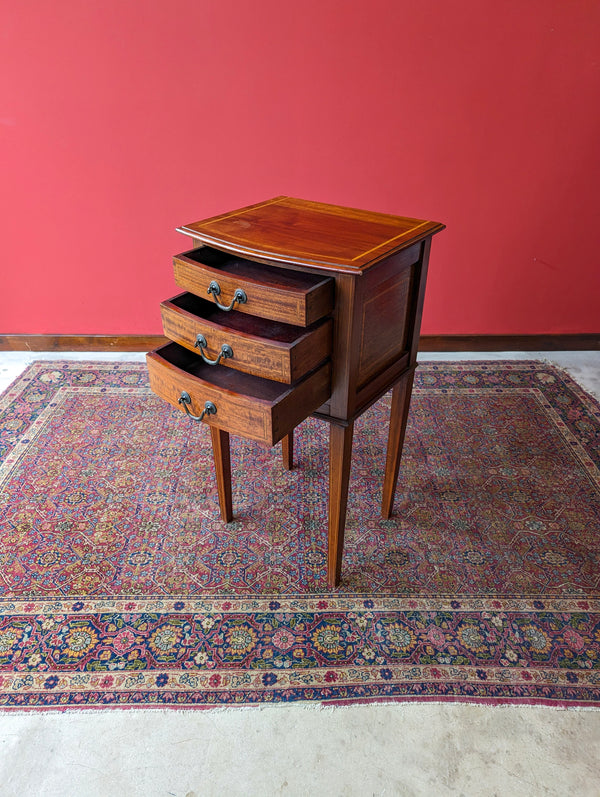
120	585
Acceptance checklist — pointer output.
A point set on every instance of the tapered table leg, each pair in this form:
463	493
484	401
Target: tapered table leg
220	446
287	450
340	455
398	419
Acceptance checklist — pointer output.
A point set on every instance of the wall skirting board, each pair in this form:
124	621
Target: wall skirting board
58	343
80	342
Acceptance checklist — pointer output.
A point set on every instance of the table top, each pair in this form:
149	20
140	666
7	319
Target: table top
311	234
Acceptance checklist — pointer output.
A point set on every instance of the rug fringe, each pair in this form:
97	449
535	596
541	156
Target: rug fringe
299	706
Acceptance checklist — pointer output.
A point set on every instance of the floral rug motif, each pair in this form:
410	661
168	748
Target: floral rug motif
121	586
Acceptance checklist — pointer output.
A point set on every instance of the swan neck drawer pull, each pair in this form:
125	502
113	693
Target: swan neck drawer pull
185	400
226	351
239	297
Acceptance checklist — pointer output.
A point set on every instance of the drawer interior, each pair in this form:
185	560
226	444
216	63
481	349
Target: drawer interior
239	322
269	276
224	378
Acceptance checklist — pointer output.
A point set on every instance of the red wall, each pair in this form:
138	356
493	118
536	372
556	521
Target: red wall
121	120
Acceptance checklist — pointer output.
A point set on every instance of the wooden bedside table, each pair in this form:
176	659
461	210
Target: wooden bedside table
296	308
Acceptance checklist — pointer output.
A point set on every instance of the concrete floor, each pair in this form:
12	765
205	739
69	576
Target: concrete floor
393	749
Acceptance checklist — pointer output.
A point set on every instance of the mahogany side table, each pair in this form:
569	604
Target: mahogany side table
295	308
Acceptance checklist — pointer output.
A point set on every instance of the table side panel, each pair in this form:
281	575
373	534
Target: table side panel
384	329
386	297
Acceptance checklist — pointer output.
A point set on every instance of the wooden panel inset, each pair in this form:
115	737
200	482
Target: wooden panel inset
384	325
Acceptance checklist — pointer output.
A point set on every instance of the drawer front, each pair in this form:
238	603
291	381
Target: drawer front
293	297
243	405
256	346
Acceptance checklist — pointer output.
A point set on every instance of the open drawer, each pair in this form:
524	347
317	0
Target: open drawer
293	297
239	403
253	345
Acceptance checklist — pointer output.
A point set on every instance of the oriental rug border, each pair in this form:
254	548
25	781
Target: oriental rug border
208	649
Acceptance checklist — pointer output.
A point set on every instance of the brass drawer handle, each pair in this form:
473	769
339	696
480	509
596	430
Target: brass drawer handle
209	407
226	351
239	296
